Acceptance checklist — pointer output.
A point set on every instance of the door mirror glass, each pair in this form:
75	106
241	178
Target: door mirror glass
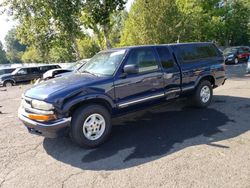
131	69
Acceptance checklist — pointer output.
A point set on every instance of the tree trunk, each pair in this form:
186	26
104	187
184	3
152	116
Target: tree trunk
75	47
106	36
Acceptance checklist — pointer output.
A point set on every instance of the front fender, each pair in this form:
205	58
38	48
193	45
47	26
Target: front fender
79	99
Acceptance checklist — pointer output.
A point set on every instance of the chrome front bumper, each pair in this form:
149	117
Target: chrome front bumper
50	129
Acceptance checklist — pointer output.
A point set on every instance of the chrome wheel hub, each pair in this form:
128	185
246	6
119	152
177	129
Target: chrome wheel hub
94	126
8	84
205	94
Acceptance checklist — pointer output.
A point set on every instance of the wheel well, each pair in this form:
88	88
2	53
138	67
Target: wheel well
12	81
101	102
210	79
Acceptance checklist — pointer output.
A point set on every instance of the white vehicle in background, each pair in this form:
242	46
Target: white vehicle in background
60	72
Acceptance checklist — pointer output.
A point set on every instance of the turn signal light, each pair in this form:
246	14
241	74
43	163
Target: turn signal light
42	117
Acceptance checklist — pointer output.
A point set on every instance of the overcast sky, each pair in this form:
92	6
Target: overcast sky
6	23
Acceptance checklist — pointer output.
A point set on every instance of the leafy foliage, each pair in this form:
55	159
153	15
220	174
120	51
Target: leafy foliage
98	16
3	58
14	48
225	22
88	47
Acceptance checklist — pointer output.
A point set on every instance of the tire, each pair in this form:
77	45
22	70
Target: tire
85	121
8	83
203	94
236	61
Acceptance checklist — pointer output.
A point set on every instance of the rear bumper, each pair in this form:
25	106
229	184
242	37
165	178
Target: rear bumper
50	129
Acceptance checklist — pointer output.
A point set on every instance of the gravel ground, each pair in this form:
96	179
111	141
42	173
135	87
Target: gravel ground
171	145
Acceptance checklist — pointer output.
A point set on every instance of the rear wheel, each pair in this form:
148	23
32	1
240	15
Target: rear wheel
90	125
203	94
8	83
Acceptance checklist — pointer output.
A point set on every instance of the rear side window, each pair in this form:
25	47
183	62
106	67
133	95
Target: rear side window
33	71
165	57
192	53
45	68
9	70
144	58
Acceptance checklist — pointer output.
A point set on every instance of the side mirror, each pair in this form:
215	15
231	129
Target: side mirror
131	69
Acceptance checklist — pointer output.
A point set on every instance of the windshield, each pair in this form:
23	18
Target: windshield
15	71
230	50
104	63
76	65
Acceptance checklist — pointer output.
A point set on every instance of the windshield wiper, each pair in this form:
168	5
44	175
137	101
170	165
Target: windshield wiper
89	72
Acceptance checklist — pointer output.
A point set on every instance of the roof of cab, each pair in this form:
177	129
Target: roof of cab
157	45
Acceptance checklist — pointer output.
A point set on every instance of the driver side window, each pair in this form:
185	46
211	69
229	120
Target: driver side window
22	72
144	58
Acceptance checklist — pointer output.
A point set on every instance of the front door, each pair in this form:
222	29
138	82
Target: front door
146	85
21	75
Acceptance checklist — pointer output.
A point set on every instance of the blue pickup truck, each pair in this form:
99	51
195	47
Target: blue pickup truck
117	81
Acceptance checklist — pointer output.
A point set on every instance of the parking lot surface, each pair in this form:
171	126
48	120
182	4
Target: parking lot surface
172	145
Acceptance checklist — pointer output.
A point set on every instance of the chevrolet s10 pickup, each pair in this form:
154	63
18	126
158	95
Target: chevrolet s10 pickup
117	81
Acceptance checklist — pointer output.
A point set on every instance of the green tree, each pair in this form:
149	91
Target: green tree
236	21
151	23
88	47
14	48
97	16
32	55
3	58
48	23
118	20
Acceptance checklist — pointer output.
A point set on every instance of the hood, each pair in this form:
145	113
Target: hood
65	74
57	88
4	76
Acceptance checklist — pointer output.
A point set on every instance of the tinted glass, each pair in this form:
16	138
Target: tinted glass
22	72
33	71
244	50
165	57
230	50
144	58
46	68
191	53
9	70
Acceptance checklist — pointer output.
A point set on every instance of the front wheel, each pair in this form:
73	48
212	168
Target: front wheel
236	61
8	83
90	126
203	94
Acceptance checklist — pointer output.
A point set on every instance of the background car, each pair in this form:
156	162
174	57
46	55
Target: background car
6	70
60	72
234	55
24	74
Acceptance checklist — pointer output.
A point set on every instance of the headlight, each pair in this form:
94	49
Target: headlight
41	105
230	56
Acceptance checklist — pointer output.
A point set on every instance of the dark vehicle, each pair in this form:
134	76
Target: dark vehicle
117	81
6	70
234	55
24	74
